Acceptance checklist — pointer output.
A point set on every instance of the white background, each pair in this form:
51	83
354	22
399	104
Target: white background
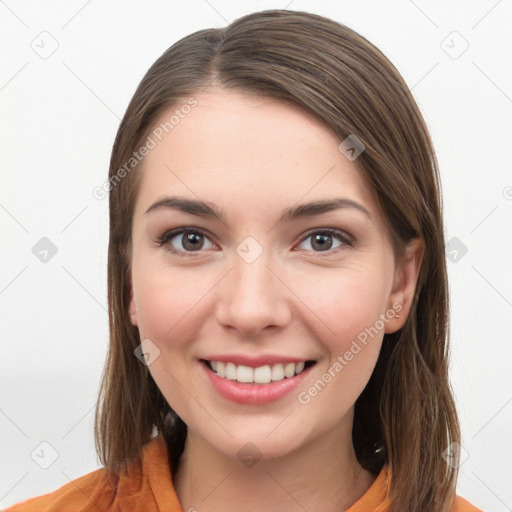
59	118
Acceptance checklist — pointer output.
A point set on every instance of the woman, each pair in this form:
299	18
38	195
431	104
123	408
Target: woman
278	296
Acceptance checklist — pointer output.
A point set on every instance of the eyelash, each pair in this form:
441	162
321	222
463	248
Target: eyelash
169	235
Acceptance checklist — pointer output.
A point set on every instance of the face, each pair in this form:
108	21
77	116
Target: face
264	289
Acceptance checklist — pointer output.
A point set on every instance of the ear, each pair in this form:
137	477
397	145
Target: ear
404	284
133	307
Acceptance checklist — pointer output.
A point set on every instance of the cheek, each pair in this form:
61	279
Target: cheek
168	305
347	307
344	303
168	311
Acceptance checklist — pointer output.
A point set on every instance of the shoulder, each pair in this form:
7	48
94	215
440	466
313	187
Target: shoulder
75	496
378	497
145	484
462	505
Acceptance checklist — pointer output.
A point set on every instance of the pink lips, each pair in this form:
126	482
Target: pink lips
255	394
252	361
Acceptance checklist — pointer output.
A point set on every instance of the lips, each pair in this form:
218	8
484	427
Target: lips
250	379
255	393
253	361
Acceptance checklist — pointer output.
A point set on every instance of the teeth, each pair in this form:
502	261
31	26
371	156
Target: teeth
277	372
221	369
289	370
230	371
244	374
260	375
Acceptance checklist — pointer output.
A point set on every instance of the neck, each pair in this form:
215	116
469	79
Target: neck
323	475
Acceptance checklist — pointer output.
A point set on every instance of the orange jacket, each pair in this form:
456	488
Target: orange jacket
146	486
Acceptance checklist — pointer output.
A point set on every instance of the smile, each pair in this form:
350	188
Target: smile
258	384
260	375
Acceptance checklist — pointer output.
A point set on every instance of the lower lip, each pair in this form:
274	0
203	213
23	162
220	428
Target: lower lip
253	393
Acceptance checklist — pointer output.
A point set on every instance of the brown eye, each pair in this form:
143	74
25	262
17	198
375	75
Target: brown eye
325	240
186	240
191	241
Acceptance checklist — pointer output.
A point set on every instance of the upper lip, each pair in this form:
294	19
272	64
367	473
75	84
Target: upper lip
255	361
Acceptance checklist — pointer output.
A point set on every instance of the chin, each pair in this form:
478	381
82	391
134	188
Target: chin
250	447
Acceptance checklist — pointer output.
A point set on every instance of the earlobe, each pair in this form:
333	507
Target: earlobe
404	284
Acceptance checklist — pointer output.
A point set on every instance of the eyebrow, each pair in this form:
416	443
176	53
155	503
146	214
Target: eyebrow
301	211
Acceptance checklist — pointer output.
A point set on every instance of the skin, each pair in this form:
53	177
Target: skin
254	157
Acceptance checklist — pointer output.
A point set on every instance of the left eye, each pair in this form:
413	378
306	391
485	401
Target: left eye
322	241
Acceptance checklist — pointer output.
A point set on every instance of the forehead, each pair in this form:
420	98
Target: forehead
233	144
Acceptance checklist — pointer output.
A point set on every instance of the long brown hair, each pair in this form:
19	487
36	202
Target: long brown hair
406	415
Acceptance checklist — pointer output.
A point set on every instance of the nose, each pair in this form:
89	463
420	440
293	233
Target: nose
253	298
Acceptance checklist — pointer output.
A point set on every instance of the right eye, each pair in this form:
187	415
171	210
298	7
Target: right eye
184	240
